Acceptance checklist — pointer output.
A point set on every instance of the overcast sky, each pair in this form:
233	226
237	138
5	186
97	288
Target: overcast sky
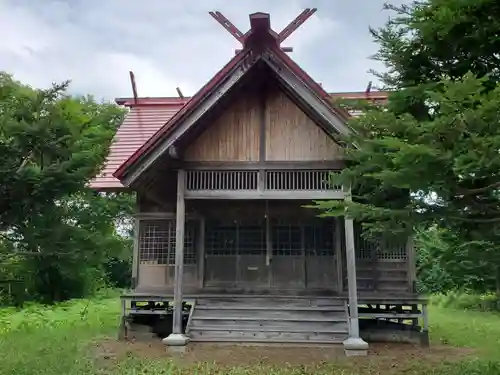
170	43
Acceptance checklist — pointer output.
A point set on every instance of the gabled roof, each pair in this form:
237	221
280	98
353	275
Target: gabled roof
147	115
260	44
153	124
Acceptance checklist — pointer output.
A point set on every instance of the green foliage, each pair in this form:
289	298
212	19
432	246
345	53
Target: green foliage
448	162
447	264
467	301
430	157
65	338
433	39
57	235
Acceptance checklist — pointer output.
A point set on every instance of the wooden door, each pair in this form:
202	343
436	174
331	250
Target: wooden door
287	261
252	271
303	254
320	249
221	254
235	254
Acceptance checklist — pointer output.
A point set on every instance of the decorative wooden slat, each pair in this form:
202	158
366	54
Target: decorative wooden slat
274	180
296	180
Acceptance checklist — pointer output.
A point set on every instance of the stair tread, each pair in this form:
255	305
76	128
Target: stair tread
267	329
297	319
269	340
266	320
274	308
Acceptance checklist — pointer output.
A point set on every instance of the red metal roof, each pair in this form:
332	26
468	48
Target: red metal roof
143	120
150	119
146	117
191	104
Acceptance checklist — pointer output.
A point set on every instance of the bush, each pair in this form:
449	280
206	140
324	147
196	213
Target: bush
467	301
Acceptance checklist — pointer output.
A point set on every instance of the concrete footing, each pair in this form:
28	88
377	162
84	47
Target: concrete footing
355	346
176	339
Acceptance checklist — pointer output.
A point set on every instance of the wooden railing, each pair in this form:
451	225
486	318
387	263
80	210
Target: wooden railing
259	184
221	180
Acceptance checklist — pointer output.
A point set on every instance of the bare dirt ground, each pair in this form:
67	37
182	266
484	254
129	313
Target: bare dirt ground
384	358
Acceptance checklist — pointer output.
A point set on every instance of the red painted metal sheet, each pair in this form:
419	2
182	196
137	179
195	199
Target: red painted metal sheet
146	118
174	120
140	124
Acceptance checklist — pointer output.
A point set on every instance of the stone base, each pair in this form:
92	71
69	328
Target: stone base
355	346
176	350
176	339
424	339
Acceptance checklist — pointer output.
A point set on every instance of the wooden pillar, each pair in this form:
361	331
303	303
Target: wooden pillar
354	345
412	265
177	337
201	253
425	326
338	254
135	254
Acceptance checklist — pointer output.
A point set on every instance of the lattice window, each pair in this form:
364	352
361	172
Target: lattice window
157	242
365	249
221	180
383	249
392	250
220	238
252	238
286	238
232	238
300	180
319	238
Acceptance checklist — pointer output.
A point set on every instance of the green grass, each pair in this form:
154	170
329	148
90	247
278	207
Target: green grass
59	340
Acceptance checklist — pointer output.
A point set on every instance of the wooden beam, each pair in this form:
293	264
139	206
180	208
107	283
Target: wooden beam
267	194
267	165
262	122
338	254
201	253
284	49
351	273
135	254
412	265
173	152
295	24
233	30
163	216
179	254
262	135
134	87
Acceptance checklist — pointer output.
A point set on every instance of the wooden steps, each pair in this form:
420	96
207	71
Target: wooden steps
269	320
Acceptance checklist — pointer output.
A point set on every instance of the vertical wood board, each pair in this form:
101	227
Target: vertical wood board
234	135
292	135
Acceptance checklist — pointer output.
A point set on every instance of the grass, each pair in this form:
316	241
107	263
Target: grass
62	340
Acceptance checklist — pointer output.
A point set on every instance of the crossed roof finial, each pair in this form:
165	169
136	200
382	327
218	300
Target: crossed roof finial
280	37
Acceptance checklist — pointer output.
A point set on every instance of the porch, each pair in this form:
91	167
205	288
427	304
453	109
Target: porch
246	232
271	247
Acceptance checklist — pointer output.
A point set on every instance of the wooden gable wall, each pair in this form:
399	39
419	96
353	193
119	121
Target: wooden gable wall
290	135
234	136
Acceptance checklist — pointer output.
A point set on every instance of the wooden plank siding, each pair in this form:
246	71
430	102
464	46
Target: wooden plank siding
239	135
234	136
292	135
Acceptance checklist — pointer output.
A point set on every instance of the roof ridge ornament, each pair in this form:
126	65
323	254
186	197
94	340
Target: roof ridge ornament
260	22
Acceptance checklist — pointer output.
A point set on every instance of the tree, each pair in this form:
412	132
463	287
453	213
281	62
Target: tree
431	156
51	145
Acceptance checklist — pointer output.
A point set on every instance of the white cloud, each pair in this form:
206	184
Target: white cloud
170	43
